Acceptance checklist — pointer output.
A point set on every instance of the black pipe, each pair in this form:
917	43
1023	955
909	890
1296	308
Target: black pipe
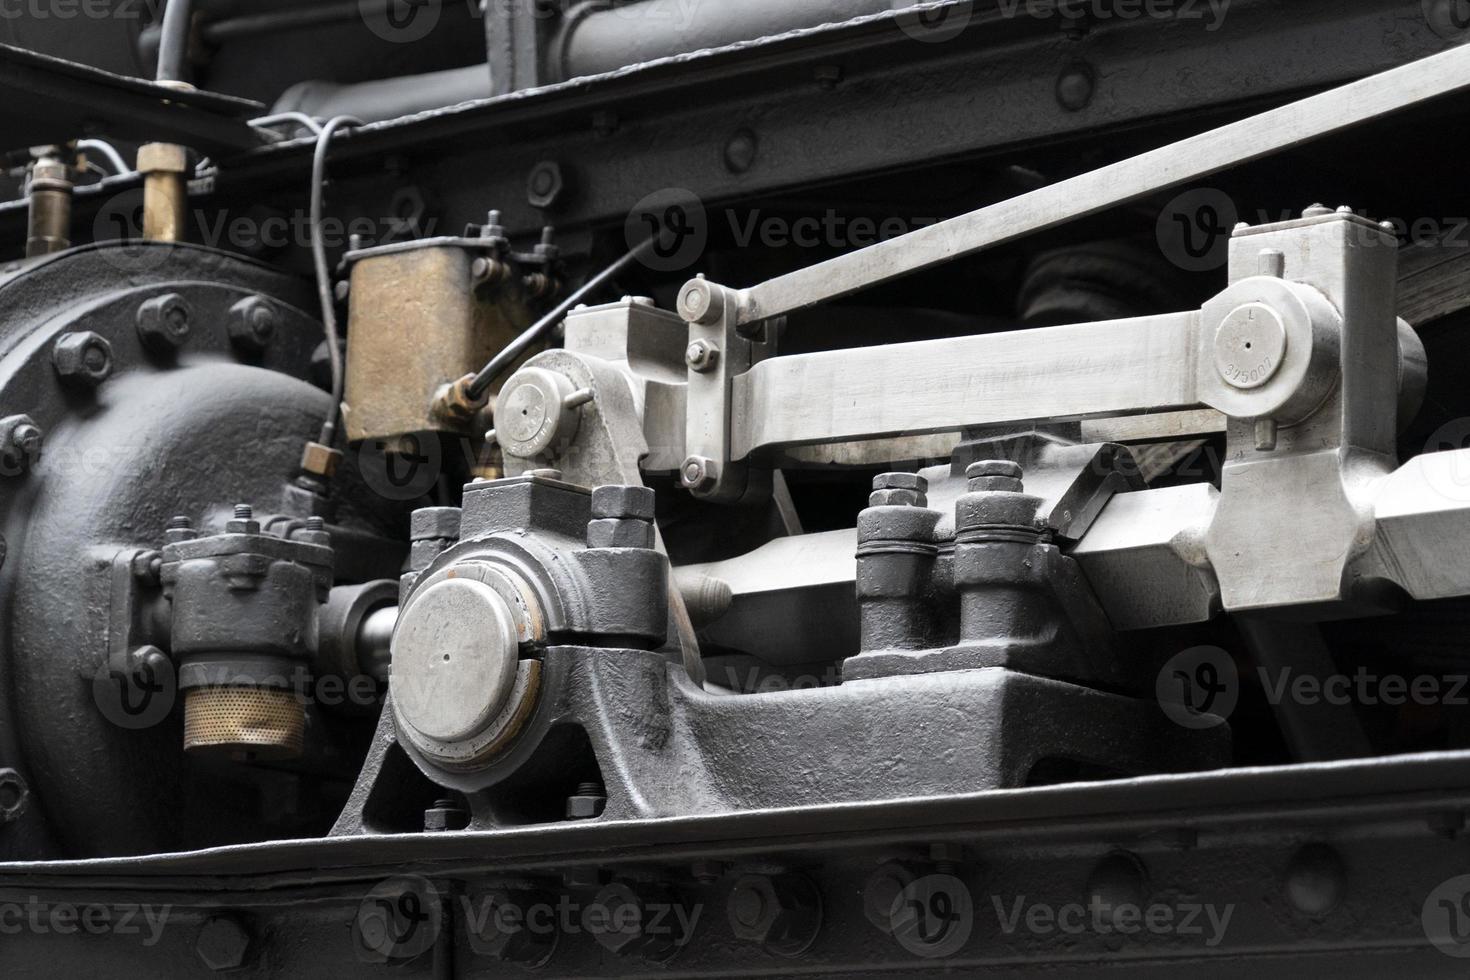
173	42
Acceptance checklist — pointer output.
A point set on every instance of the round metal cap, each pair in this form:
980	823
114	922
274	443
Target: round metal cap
454	659
1250	346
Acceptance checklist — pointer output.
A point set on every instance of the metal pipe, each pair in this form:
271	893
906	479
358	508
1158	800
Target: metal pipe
173	42
48	192
594	37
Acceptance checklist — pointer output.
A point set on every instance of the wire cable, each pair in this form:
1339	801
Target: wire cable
509	354
323	274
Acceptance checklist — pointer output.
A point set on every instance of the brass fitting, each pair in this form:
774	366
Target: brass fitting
48	191
319	460
454	404
165	168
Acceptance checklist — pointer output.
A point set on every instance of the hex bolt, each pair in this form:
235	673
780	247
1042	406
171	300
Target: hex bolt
180	528
445	815
995	475
223	943
21	440
622	517
14	794
1316	880
623	502
630	921
82	358
741	150
1119	880
546	185
163	322
899	490
699	473
503	933
780	913
252	324
1075	87
882	891
244	521
702	356
587	802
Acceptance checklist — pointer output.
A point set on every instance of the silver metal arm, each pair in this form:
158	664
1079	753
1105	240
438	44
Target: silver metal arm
1091	370
1099	190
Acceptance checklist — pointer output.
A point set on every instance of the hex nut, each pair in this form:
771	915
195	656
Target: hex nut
503	933
319	460
82	358
546	185
699	473
162	158
223	943
20	444
901	481
455	405
882	892
252	324
613	501
897	498
782	913
163	322
702	356
619	533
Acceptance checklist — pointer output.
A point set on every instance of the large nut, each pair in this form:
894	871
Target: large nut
163	322
20	444
82	358
223	943
512	927
614	501
782	913
620	533
899	490
632	920
699	473
546	185
162	158
701	356
252	324
319	460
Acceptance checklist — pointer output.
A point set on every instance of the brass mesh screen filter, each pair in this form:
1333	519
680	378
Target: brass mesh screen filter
254	721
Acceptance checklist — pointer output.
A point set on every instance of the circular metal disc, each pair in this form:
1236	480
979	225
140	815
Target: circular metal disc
1250	346
454	659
